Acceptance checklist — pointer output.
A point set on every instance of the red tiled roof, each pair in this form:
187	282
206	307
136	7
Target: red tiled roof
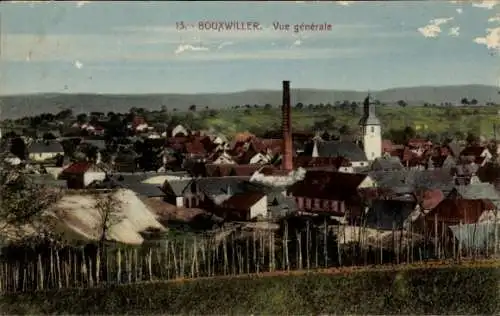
227	170
479	160
324	184
78	168
195	147
429	199
417	142
243	137
243	201
472	151
387	146
456	210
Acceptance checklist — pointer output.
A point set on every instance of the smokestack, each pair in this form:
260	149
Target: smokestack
286	126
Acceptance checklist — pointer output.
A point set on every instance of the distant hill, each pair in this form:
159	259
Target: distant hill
22	105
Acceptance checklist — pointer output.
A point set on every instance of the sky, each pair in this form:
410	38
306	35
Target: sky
135	47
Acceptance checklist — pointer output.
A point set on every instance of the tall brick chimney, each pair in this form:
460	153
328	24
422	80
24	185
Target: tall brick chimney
286	126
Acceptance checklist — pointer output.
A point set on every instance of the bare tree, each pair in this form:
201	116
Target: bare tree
109	212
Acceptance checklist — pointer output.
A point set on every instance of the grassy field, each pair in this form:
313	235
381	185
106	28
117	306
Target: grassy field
458	289
425	120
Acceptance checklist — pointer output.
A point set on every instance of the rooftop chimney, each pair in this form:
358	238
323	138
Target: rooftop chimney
286	126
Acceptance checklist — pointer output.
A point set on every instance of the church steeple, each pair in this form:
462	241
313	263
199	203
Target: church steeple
369	116
371	130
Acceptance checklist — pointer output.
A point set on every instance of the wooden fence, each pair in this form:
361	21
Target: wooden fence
309	246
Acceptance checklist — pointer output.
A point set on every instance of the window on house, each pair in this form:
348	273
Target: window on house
373	154
372	129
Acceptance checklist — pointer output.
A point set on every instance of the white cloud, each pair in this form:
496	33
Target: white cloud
454	31
460	10
433	29
78	64
297	42
494	19
440	21
33	3
345	3
224	44
485	4
491	40
187	47
81	3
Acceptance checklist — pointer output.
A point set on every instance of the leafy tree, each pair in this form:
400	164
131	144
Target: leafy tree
472	138
354	107
212	113
18	148
464	101
345	130
192	108
25	203
64	114
48	136
473	102
82	118
299	106
268	106
402	103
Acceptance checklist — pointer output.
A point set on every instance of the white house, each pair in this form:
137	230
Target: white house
142	127
244	206
80	175
41	151
12	159
260	159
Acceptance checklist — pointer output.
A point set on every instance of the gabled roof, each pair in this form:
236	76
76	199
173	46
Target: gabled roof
410	180
455	148
177	187
328	185
472	151
479	191
348	150
387	163
78	168
144	189
48	147
217	186
243	201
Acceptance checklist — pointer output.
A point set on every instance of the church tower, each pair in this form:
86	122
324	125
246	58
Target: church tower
371	131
